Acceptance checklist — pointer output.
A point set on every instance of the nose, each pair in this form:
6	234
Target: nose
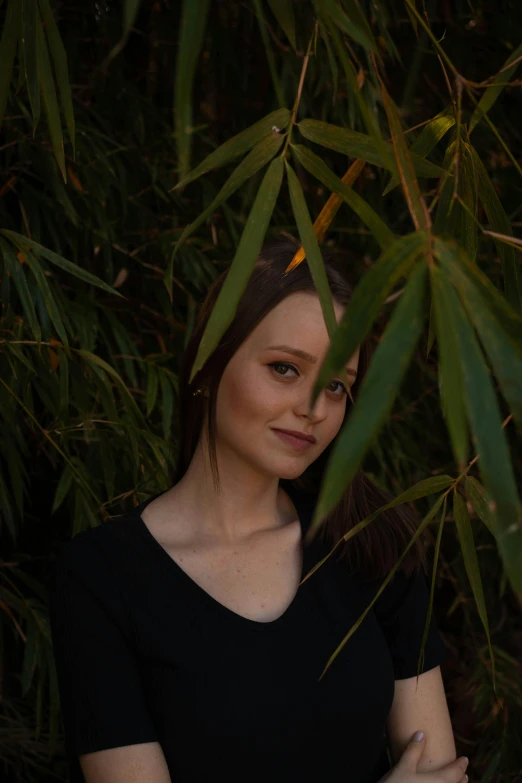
303	405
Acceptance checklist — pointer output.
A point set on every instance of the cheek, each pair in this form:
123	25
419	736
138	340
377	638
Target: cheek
246	400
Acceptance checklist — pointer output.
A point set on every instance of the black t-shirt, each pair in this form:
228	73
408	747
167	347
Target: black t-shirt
144	654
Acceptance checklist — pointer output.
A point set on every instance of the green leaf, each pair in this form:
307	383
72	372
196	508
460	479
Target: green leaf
475	493
420	490
361	146
313	253
469	553
491	94
377	393
368	115
50	304
239	144
489	437
369	217
167	406
458	203
366	302
54	258
14	266
255	160
283	11
10	36
431	134
130	11
450	372
30	656
242	266
49	97
504	355
423	525
95	362
500	223
355	29
192	28
63	488
416	204
151	389
30	60
505	314
60	68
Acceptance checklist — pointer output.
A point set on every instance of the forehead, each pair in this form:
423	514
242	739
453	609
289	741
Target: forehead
298	316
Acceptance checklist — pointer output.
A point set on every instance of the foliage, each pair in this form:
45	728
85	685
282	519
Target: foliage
168	143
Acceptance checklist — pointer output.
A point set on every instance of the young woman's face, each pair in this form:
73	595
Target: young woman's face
264	388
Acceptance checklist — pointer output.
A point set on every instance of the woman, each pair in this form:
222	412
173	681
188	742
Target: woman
186	647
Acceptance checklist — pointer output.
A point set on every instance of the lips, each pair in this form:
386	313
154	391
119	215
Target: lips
297	434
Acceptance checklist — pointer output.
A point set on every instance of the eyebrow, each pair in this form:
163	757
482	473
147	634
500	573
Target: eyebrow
303	355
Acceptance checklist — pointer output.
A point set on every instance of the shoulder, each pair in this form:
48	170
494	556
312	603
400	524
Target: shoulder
94	552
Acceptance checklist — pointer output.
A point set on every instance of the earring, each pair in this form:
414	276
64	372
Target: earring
200	390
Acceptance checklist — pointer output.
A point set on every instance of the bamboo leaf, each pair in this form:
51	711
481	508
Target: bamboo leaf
50	304
151	390
368	115
425	522
63	488
49	97
492	92
30	59
242	265
60	68
97	362
283	11
416	204
376	397
30	657
20	241
329	211
167	406
239	144
130	11
458	203
359	33
369	217
499	223
450	372
192	28
476	496
489	437
420	490
8	43
255	160
366	302
467	543
14	266
313	253
360	145
427	140
504	355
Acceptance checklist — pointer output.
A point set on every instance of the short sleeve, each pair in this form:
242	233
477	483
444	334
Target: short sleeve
102	701
401	610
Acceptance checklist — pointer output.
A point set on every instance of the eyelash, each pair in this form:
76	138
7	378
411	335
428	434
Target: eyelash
286	364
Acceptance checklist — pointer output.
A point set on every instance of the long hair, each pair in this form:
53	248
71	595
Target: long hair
373	551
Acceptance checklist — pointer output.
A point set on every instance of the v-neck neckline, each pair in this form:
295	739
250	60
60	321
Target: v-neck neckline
304	508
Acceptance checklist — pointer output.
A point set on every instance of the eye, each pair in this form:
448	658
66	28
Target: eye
286	364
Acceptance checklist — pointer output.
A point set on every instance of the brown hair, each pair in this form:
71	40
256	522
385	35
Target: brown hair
374	550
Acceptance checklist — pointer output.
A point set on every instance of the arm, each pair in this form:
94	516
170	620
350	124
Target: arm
143	763
423	707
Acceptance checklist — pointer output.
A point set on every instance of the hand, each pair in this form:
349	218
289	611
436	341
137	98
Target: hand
405	771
